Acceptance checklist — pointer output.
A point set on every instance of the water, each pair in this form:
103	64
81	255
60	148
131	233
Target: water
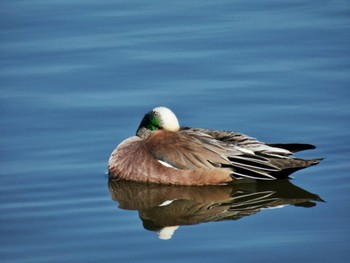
76	78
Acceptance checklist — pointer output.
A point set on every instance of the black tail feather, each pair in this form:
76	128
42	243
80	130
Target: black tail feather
293	147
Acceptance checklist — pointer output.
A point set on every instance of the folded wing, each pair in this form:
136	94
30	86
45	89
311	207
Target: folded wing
243	156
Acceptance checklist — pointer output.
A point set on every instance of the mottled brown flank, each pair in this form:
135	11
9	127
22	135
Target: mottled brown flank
136	159
202	157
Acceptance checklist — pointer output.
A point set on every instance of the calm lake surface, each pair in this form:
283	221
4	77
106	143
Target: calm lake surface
76	77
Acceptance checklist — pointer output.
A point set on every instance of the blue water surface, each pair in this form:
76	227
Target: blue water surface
76	78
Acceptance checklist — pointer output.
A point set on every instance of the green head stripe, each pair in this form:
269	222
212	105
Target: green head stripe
153	124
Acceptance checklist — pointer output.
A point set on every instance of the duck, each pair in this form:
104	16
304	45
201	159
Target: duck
162	152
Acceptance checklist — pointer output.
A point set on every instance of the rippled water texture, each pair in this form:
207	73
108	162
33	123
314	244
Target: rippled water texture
76	78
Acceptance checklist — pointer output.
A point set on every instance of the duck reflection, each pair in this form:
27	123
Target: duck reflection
163	208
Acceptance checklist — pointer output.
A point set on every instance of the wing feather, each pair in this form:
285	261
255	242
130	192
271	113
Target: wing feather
191	149
185	151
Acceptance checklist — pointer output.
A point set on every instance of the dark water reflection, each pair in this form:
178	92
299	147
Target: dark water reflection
163	208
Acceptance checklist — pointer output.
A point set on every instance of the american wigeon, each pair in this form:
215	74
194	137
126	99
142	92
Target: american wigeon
162	152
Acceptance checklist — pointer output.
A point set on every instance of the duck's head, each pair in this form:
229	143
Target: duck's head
159	118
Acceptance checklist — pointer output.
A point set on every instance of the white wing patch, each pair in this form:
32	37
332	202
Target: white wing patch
166	164
167	202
